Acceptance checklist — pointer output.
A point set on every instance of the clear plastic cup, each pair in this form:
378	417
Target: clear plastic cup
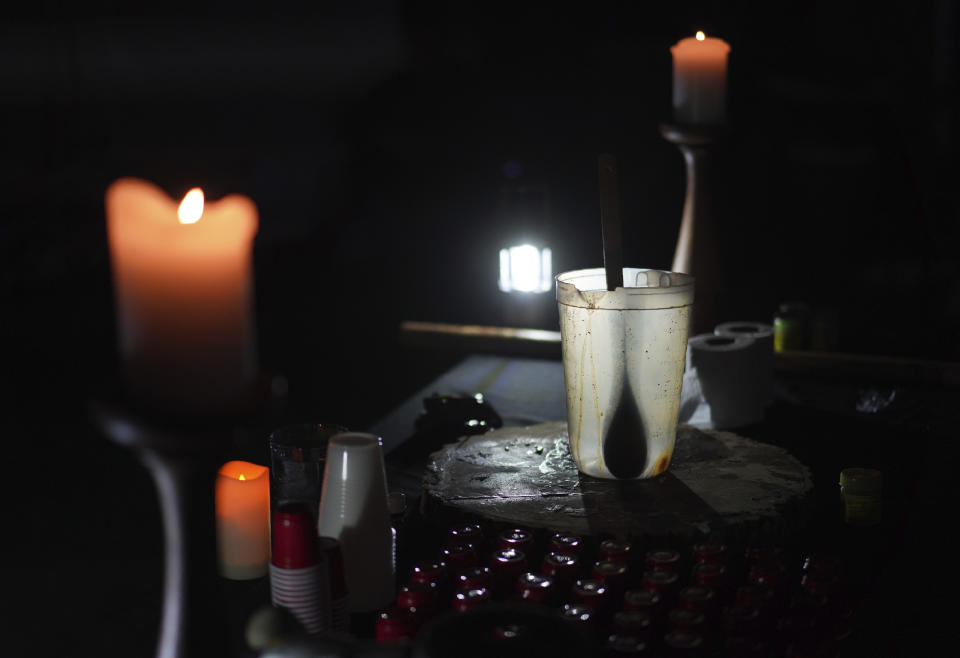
623	358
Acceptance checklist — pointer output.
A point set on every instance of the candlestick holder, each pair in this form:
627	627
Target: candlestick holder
183	455
696	252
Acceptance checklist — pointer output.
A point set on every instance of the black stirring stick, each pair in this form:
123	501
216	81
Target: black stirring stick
610	221
625	444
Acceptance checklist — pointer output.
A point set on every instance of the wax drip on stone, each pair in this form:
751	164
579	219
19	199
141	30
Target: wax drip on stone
625	447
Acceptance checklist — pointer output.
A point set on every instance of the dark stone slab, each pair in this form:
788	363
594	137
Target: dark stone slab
719	485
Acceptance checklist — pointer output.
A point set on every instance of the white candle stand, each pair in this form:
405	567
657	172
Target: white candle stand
183	455
696	252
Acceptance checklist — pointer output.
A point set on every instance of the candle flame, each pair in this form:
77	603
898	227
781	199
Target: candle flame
191	208
700	35
241	477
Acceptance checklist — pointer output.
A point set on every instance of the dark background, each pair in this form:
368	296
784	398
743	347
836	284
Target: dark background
376	137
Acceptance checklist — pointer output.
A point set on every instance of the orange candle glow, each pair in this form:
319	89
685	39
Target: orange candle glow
700	79
243	520
183	289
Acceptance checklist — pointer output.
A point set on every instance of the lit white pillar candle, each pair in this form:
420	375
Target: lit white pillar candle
243	520
183	288
700	80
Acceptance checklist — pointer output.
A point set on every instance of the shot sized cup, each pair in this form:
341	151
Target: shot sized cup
297	455
623	358
353	509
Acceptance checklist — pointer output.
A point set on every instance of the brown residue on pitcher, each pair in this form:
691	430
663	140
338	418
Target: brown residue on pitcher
662	464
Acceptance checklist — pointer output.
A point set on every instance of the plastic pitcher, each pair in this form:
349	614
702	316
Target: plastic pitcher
623	361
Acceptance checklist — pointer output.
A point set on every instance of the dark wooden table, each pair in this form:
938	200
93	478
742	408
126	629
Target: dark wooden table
824	418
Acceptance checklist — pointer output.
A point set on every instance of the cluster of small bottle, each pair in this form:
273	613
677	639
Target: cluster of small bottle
707	600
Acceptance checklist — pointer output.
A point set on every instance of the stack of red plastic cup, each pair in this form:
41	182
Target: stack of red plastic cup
335	582
297	572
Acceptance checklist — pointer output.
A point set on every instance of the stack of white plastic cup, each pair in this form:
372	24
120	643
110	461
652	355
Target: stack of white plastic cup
353	509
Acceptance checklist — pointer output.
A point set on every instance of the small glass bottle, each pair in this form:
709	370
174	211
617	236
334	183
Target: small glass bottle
824	330
860	493
790	326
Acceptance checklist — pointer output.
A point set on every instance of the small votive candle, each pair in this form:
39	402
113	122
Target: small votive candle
243	520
